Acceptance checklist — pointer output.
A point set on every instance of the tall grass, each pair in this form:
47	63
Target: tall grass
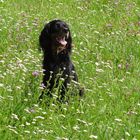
106	35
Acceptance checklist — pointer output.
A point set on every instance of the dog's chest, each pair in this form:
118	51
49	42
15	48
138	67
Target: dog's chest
58	67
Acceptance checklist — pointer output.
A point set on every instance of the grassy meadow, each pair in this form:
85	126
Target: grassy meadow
106	36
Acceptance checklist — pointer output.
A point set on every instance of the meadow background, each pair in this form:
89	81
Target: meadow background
106	35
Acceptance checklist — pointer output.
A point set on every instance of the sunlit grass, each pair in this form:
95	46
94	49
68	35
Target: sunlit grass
106	53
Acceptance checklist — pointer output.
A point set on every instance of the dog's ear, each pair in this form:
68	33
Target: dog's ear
69	42
44	38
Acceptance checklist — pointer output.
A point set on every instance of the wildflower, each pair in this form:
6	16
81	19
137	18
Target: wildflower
74	82
18	87
27	110
99	70
76	127
85	131
1	85
9	89
42	86
109	25
35	73
39	117
118	120
82	121
22	125
64	127
14	116
25	100
127	134
13	130
80	112
26	131
61	115
132	113
62	79
1	0
27	123
44	113
93	137
120	66
58	138
13	127
96	32
33	122
10	97
97	64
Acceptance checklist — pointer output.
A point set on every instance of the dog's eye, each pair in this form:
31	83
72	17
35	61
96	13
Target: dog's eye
57	26
65	30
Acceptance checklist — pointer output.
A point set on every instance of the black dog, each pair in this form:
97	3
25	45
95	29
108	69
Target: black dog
56	43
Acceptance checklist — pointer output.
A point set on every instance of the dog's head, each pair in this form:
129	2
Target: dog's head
56	34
